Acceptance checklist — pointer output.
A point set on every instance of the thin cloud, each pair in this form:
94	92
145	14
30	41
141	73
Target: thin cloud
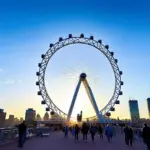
11	81
1	70
20	81
8	81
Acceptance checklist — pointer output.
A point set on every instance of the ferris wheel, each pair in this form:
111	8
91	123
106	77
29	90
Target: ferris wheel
53	48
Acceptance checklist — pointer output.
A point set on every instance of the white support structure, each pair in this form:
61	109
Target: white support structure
90	95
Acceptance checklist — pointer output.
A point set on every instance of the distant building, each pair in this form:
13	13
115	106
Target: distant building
38	117
134	110
148	105
16	121
2	118
46	116
30	116
11	120
56	117
21	120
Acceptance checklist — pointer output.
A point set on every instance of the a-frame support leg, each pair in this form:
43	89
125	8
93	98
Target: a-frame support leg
73	100
93	101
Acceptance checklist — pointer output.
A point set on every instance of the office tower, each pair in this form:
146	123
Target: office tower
148	105
134	110
30	116
2	118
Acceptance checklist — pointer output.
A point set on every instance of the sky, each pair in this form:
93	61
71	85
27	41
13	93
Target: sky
28	27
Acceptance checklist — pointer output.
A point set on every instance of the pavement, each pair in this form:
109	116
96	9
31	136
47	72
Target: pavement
56	141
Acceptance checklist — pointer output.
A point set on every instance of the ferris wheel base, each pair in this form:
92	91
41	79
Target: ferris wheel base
90	94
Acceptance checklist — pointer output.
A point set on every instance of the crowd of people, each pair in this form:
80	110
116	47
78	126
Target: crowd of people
85	129
131	134
110	131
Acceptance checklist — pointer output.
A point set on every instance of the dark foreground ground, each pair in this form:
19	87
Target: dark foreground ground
56	141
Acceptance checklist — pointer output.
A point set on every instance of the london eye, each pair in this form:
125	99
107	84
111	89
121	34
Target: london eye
104	49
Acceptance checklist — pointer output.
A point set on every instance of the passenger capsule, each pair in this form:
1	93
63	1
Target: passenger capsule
37	83
121	82
43	102
42	56
100	41
112	109
120	93
116	60
117	102
60	39
120	72
39	93
91	37
107	46
37	73
112	53
47	109
108	114
52	112
70	36
51	45
39	65
82	35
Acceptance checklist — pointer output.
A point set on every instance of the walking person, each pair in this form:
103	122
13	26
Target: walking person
100	131
146	136
126	131
22	134
76	131
66	130
73	131
114	130
93	132
109	133
85	130
130	136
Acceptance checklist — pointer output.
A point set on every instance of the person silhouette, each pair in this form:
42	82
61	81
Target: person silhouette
146	136
76	131
22	134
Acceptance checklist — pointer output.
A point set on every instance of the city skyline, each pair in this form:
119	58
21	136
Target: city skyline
26	32
134	111
30	116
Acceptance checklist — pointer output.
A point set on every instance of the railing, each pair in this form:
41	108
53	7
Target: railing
8	134
11	134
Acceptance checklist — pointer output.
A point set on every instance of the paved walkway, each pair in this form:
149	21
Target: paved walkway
56	141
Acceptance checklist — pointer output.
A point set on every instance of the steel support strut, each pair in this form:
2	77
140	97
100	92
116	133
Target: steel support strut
93	101
73	100
91	97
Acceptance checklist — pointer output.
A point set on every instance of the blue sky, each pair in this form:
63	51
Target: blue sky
26	29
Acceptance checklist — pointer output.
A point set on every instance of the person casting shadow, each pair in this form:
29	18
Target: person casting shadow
76	132
146	136
126	129
130	136
85	131
22	134
100	131
93	132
